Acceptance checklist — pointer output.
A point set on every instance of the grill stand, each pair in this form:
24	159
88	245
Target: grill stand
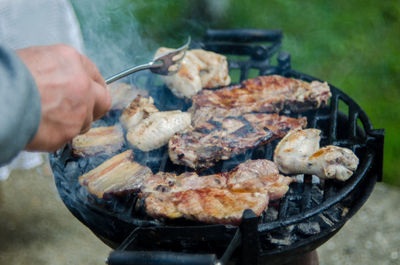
246	236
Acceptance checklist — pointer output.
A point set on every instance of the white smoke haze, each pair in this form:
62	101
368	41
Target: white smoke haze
111	35
115	40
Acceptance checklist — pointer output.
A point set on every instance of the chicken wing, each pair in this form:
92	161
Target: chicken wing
139	109
157	129
299	153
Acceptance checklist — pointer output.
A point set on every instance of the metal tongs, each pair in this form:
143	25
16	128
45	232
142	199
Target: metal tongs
166	64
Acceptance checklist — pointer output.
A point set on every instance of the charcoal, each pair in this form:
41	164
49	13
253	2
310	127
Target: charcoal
82	163
271	214
72	169
309	228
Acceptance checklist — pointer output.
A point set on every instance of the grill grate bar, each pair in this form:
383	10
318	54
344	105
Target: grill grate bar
306	195
353	117
333	118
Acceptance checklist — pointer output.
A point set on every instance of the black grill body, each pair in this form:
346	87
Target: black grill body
308	215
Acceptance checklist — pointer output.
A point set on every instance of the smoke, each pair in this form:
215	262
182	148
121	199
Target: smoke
111	35
121	33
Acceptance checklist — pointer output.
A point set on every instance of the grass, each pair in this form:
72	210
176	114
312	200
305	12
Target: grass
353	45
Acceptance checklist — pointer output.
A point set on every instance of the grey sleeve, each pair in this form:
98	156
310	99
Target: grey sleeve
20	105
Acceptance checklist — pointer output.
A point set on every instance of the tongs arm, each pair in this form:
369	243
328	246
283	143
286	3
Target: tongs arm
130	71
165	64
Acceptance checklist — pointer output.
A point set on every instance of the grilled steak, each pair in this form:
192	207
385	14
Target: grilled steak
209	205
223	137
261	94
104	140
118	174
299	153
219	198
259	176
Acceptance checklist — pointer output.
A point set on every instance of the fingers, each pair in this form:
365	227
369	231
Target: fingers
101	92
92	70
102	103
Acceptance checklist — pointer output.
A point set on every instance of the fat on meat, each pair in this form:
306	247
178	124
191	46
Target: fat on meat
117	175
100	140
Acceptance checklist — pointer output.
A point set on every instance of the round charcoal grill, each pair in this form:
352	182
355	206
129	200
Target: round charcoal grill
309	214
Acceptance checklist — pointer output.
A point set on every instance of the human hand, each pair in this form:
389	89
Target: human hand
72	92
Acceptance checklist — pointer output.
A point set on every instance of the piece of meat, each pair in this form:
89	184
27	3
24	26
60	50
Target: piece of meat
299	153
139	109
117	175
100	140
218	198
259	176
207	205
261	94
199	69
122	94
220	138
155	131
169	182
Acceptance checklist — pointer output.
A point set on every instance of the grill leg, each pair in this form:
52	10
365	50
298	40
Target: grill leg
250	242
310	258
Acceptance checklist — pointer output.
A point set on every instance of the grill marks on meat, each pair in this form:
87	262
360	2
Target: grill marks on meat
259	175
117	175
220	138
219	198
169	182
138	110
261	94
100	140
207	205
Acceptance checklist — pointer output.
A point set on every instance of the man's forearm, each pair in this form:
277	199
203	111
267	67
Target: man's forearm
20	105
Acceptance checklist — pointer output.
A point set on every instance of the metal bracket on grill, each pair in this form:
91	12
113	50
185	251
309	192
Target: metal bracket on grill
377	144
284	63
125	253
259	45
250	240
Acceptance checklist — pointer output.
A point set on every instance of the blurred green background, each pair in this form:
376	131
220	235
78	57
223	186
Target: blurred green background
353	45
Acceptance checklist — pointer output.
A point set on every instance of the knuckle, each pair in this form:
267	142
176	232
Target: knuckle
81	83
67	51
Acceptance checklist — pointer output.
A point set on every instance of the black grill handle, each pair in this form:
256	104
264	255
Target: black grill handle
243	35
160	257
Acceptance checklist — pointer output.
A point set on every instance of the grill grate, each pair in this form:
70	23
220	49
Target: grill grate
309	214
